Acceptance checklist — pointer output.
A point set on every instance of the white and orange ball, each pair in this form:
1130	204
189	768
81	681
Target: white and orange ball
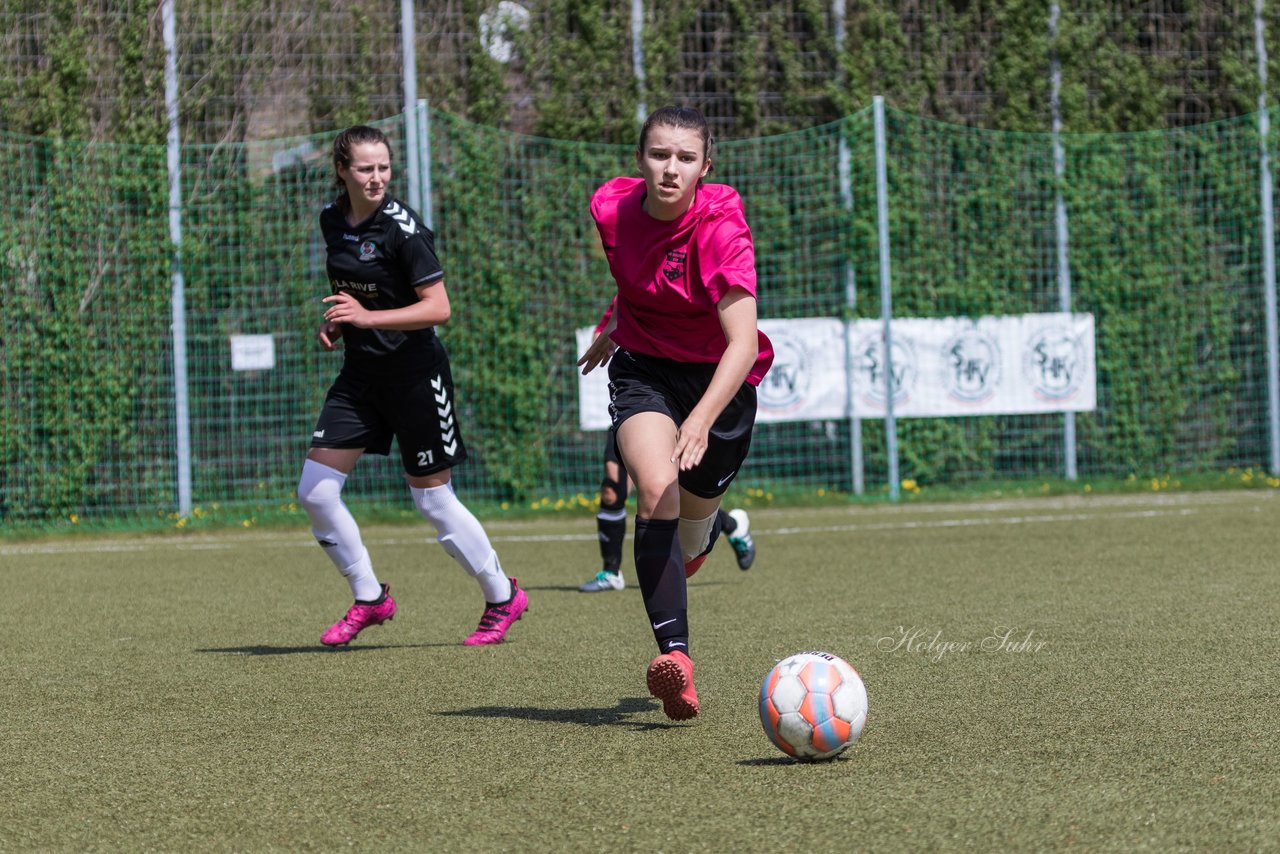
813	705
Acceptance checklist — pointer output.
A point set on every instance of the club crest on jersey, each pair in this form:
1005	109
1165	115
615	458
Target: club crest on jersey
367	250
674	267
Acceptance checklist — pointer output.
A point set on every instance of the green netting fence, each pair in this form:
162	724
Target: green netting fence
1165	237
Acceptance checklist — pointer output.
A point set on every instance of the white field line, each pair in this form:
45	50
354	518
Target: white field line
989	520
233	541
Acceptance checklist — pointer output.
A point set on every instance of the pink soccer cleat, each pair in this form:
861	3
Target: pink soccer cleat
670	679
693	565
496	619
360	616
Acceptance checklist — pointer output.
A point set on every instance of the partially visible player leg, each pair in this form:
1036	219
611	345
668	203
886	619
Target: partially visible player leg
737	530
464	538
430	440
702	519
660	571
647	440
611	523
320	495
697	535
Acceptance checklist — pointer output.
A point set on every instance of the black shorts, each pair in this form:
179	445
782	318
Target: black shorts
611	448
365	411
640	383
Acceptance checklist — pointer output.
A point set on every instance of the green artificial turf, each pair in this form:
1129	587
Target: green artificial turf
169	693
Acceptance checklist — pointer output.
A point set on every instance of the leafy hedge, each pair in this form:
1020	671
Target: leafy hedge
1164	229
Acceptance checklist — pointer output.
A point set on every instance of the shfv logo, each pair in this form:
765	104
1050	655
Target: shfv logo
874	367
1054	362
971	366
786	387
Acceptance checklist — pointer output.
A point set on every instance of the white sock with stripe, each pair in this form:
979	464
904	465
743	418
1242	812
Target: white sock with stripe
335	529
464	538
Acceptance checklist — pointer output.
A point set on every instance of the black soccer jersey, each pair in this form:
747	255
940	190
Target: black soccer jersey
380	262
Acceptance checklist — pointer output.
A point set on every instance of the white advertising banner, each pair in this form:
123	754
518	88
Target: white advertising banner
1011	365
807	381
593	389
1031	363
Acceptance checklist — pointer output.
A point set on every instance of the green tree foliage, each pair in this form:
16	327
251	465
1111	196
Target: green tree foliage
573	41
88	304
1163	211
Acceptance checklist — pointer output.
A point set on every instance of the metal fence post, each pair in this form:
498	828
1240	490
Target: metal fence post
1268	241
424	141
637	58
409	83
1060	224
886	297
177	299
845	166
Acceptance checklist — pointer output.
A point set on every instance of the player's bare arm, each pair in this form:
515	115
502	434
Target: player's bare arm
329	334
431	309
737	312
601	350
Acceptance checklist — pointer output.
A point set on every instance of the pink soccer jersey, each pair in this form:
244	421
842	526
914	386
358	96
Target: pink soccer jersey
608	313
671	275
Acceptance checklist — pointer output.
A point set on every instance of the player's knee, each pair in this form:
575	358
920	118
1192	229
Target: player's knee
319	486
613	494
440	506
658	501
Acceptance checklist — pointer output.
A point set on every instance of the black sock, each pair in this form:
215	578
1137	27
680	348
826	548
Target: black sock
660	571
612	532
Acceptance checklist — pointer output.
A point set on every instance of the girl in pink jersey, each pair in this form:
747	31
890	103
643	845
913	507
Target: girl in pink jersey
685	356
611	518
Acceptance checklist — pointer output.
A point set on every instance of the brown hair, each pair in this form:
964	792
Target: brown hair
342	145
686	118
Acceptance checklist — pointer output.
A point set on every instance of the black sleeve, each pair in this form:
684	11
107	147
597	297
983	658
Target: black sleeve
418	257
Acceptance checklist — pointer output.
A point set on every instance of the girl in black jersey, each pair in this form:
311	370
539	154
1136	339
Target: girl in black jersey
388	295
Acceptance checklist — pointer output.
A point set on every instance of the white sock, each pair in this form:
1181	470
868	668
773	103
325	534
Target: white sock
335	529
463	537
364	584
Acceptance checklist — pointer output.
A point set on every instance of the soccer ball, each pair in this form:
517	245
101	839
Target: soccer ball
813	705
